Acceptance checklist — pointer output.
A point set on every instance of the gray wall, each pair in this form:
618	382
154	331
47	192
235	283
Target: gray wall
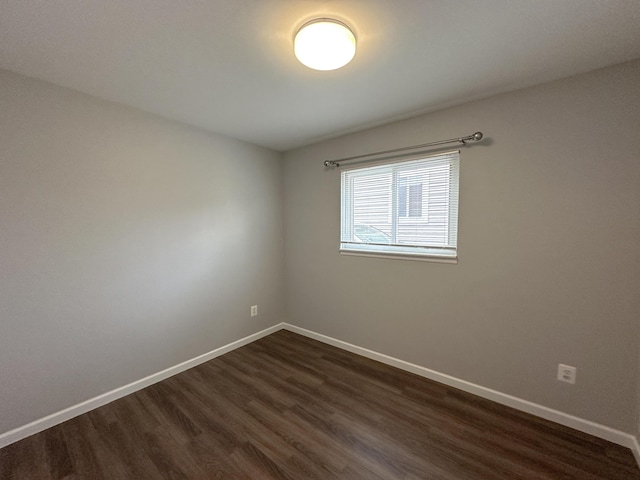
549	249
128	244
637	425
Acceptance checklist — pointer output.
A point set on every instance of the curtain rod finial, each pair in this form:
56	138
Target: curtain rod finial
477	136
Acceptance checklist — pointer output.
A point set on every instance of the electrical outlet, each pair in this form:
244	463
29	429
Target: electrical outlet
566	373
254	310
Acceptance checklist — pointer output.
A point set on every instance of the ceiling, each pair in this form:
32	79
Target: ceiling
228	65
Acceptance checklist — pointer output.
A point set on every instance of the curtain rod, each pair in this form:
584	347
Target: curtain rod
475	137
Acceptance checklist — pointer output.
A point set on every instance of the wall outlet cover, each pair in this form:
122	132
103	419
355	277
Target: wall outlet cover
566	373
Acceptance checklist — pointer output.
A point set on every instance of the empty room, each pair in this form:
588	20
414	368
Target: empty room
304	239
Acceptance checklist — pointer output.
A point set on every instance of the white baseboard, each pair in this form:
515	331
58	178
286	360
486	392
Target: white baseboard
41	424
587	426
635	449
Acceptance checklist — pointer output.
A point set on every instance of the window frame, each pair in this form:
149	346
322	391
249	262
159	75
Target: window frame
432	253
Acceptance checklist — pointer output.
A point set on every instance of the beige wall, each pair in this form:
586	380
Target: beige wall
128	244
549	249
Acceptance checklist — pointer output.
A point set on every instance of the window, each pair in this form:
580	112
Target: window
406	208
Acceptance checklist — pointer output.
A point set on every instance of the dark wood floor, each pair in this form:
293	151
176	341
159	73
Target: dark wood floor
287	407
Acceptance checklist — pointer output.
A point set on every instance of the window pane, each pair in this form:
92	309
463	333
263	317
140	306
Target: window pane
415	200
402	197
408	207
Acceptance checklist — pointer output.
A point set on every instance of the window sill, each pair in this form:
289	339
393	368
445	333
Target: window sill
420	257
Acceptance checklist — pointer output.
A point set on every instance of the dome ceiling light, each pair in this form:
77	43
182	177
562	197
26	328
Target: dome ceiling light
324	44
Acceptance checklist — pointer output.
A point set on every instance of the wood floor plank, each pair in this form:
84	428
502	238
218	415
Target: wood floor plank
288	407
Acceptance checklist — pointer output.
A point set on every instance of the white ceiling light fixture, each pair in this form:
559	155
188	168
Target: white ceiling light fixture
324	44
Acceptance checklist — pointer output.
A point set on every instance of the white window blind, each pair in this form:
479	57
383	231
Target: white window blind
405	208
